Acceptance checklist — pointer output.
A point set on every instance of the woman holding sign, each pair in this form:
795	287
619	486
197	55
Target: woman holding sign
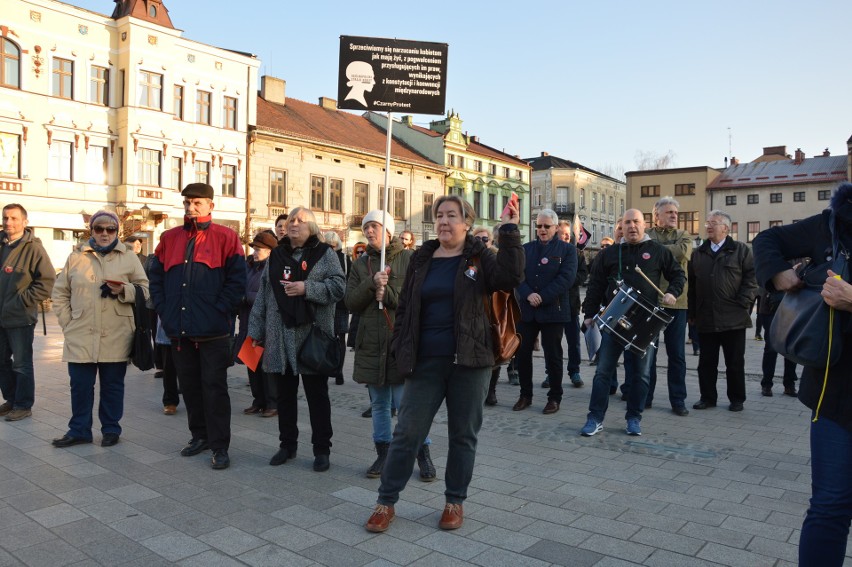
443	347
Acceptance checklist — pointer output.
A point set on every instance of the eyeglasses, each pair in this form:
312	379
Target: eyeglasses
544	226
484	239
359	252
102	229
714	223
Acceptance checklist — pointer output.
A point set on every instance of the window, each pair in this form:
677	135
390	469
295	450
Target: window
229	180
582	198
492	206
735	230
97	170
149	167
649	219
10	64
60	165
775	223
621	207
277	186
120	165
505	200
824	195
650	191
317	192
202	171
335	195
753	229
753	199
603	204
121	78
152	11
537	196
775	197
611	208
178	102
594	201
399	203
176	181
520	175
688	221
477	165
506	172
477	203
229	113
461	162
492	169
561	199
202	107
150	90
594	232
10	155
451	160
730	200
63	78
685	189
428	199
382	197
360	198
99	85
799	197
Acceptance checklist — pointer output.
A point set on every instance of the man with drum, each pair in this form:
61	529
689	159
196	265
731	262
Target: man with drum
614	270
722	285
679	243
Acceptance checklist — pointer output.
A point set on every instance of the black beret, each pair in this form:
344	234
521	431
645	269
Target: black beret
198	190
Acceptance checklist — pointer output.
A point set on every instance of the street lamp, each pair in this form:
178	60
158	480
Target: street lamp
120	209
145	211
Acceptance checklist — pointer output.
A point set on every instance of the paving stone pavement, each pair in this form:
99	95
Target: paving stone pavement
712	488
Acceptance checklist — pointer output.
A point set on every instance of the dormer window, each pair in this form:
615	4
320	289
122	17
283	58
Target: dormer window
152	10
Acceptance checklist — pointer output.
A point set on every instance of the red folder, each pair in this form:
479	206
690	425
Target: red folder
250	355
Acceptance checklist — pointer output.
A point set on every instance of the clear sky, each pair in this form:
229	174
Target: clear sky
594	82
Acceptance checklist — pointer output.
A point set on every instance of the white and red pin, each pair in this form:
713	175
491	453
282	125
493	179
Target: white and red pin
544	260
646	256
286	275
471	272
7	269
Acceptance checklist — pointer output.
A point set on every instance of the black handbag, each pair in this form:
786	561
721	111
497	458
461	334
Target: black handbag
320	354
805	329
142	354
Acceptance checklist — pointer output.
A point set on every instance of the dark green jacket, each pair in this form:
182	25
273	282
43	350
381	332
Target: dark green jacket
26	279
375	327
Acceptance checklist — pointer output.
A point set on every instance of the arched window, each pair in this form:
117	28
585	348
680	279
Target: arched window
152	11
10	64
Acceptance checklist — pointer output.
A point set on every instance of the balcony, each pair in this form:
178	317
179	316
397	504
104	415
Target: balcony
355	221
564	209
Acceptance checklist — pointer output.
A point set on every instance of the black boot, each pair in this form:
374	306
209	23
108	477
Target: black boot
491	398
427	468
375	470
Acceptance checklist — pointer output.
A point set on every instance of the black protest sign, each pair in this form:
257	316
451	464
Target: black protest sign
392	75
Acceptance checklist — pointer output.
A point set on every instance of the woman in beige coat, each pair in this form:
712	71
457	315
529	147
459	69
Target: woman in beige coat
93	299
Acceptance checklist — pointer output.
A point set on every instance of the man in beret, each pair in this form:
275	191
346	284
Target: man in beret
197	281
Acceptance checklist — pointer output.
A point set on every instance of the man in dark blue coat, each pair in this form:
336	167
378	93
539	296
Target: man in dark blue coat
551	267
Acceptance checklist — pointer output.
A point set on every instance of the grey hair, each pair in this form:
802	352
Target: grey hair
726	218
549	213
311	219
332	239
665	201
465	208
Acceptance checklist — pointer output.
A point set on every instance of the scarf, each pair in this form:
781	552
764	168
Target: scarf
284	267
102	250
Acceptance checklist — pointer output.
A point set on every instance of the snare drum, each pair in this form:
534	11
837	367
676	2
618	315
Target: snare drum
633	321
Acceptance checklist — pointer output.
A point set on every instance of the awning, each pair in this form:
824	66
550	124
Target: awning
65	221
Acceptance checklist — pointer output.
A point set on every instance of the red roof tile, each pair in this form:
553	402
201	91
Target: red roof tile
312	122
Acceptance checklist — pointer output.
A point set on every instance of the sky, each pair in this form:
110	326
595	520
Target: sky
594	82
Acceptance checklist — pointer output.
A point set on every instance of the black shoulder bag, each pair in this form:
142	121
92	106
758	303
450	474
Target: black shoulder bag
142	354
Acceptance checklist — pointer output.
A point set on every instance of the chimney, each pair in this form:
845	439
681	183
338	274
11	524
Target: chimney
826	153
734	161
800	156
273	89
544	154
474	139
775	151
407	120
328	103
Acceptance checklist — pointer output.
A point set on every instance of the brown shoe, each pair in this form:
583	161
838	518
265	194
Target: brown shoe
18	414
551	407
522	404
5	408
452	518
252	410
169	410
381	518
269	413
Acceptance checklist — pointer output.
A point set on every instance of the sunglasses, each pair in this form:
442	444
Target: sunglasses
544	226
359	252
103	229
482	238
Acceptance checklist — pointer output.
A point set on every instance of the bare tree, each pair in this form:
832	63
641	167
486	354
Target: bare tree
646	160
614	170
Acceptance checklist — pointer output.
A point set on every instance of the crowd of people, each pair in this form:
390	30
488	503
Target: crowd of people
415	320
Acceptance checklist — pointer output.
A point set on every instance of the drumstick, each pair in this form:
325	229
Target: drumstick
647	279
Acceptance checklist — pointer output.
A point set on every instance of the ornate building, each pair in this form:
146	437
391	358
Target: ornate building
117	111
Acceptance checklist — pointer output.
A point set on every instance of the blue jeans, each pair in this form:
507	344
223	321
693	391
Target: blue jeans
434	381
111	405
636	374
675	336
823	539
572	335
382	399
551	344
17	378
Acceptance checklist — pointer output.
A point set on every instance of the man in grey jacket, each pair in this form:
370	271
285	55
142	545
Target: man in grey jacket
26	279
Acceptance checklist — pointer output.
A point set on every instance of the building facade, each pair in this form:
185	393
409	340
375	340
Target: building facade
484	176
572	189
772	191
117	112
688	185
333	162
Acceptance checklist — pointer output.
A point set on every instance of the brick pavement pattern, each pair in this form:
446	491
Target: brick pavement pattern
712	488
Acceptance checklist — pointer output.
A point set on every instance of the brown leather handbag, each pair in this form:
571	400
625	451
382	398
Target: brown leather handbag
503	313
